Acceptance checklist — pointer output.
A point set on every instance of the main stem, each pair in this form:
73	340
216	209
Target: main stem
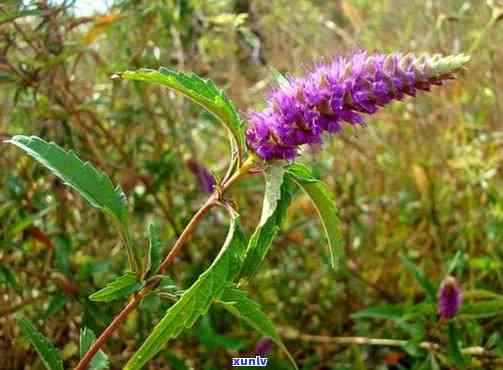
189	229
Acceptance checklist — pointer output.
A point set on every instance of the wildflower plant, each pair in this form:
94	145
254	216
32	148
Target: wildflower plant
298	112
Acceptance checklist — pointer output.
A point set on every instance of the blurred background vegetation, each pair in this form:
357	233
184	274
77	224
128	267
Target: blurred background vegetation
422	183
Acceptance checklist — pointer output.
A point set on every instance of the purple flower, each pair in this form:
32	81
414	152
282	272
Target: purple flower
204	177
263	346
338	92
450	297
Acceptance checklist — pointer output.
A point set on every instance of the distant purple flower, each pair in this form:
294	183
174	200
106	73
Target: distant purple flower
263	346
204	177
301	109
450	297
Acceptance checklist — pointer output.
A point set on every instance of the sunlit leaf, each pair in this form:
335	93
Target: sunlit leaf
121	287
263	236
201	91
324	203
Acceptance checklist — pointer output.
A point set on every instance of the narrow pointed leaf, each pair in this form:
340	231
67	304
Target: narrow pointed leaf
264	235
93	185
8	277
201	91
49	355
8	17
121	287
454	349
241	306
273	180
100	359
420	277
324	204
196	300
153	255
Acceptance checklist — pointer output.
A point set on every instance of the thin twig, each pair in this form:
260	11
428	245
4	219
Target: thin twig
291	333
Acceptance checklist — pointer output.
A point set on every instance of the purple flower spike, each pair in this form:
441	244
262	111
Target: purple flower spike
263	346
450	297
301	109
204	177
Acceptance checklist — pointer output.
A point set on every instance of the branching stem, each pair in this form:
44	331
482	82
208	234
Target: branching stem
212	201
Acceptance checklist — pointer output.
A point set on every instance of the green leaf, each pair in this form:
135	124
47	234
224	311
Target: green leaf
273	179
482	309
8	17
100	359
56	304
263	236
420	277
119	288
390	312
280	78
196	300
92	184
211	339
8	277
49	355
456	262
153	255
324	204
202	92
237	303
454	349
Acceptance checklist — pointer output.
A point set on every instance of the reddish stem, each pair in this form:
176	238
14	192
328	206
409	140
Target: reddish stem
189	229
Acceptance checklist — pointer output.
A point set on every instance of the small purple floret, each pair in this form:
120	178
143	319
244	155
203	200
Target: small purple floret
450	297
342	91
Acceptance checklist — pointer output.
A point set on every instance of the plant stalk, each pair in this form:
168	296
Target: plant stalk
212	201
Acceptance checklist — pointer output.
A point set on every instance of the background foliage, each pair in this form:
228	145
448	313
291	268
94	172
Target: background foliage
419	186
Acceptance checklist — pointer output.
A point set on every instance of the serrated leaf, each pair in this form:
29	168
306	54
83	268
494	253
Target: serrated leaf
100	359
93	185
240	305
273	180
454	349
49	355
202	92
324	203
153	255
262	238
420	277
121	287
196	300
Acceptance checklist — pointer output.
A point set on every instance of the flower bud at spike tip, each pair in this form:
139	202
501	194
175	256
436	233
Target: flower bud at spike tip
204	177
300	110
450	297
263	346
